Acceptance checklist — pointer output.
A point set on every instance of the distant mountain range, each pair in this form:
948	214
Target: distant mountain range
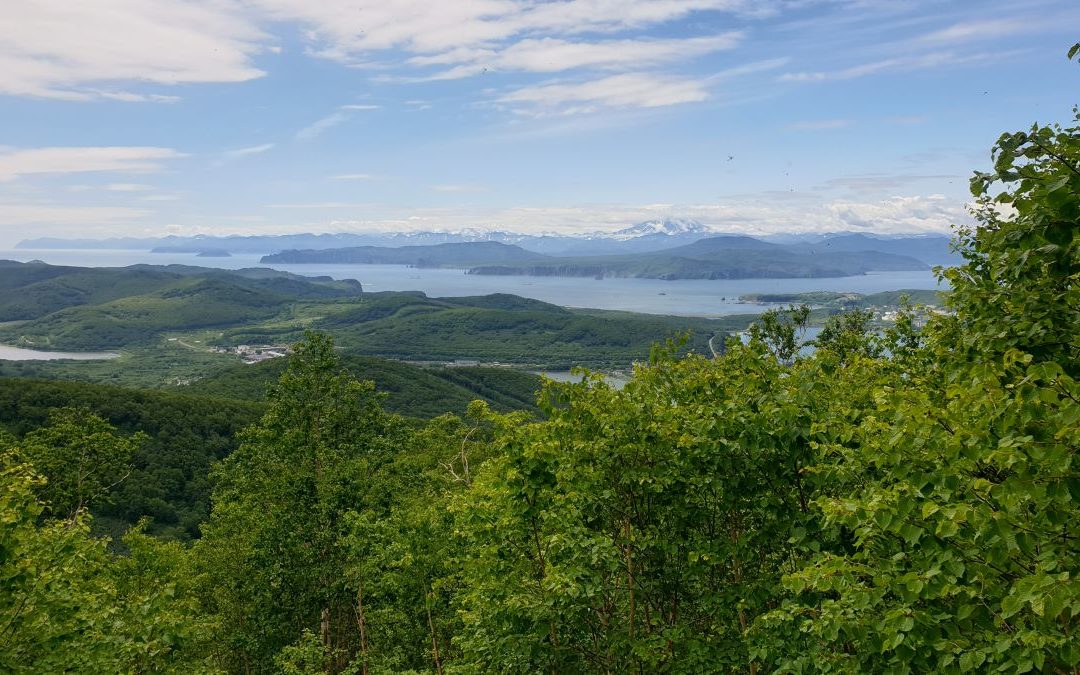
716	257
652	235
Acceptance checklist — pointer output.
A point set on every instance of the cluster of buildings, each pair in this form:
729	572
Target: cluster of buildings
258	353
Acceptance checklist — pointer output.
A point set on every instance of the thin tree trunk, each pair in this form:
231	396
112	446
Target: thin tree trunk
628	552
434	636
738	583
361	625
324	629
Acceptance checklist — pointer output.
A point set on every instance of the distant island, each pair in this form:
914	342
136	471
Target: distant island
464	255
213	254
717	257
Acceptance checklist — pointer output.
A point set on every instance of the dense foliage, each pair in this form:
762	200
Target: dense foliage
167	478
897	501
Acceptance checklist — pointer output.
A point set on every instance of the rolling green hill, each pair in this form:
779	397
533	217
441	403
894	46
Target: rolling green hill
34	290
504	328
79	308
411	391
140	319
30	291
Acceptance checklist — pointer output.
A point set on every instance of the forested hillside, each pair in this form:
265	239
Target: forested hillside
190	428
169	469
898	501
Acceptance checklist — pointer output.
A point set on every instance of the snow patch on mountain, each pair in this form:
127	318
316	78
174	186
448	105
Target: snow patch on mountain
669	226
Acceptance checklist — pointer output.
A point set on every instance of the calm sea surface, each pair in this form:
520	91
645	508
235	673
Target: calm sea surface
652	296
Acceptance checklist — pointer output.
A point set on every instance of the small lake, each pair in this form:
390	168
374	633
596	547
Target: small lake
688	297
18	354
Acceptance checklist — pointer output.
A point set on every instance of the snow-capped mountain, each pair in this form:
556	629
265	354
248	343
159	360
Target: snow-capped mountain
669	226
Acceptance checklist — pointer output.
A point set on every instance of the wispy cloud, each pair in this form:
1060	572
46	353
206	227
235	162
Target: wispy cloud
552	55
319	205
324	124
321	125
355	176
982	30
882	183
128	187
635	90
903	63
819	125
65	160
247	152
459	187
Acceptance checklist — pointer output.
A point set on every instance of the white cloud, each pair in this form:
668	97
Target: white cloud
550	55
129	97
933	213
635	90
128	187
819	125
982	30
355	176
93	50
458	187
119	159
318	127
902	63
77	50
246	152
319	205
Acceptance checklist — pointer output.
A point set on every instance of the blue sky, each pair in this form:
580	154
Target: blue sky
150	117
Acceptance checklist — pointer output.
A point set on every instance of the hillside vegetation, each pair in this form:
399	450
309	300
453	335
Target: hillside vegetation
169	479
411	391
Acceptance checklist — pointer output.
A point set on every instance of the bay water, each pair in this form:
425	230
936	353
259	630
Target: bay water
688	297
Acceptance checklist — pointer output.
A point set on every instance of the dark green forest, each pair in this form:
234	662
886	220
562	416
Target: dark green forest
894	501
